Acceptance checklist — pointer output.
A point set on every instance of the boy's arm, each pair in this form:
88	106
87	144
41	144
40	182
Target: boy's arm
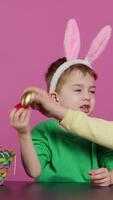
94	129
29	157
19	119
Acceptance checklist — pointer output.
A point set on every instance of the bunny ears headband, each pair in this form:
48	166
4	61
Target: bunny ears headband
72	48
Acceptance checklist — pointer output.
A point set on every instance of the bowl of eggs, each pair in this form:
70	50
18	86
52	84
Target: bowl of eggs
6	158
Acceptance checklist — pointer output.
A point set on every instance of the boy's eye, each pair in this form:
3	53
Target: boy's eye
77	90
93	92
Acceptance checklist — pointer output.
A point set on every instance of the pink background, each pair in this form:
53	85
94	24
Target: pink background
31	37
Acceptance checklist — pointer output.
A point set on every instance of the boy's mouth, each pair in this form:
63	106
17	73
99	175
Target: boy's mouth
85	108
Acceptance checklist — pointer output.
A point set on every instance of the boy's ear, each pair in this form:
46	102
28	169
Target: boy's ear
55	96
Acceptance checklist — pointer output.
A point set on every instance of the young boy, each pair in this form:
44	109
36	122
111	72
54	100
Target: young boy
94	129
54	155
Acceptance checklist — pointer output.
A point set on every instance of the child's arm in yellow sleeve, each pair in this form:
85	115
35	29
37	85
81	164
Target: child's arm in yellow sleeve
94	129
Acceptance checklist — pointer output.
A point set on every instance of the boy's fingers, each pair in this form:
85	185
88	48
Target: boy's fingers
101	181
104	185
34	96
24	115
16	115
99	176
98	171
12	113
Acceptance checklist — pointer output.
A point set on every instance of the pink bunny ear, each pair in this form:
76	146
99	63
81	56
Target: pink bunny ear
72	40
99	43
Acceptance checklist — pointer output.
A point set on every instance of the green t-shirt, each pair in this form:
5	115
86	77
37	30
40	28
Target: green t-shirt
65	157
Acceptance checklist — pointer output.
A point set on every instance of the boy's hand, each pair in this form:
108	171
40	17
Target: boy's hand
42	101
100	177
19	119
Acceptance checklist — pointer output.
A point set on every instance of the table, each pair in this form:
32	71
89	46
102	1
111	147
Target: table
12	190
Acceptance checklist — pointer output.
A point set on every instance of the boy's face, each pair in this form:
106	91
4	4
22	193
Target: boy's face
78	92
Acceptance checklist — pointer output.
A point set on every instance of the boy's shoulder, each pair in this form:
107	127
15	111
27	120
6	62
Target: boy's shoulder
47	124
46	129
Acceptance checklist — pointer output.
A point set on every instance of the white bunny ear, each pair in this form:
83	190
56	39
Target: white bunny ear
72	40
99	43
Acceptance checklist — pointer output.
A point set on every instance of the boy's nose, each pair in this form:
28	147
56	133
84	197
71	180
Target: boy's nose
86	96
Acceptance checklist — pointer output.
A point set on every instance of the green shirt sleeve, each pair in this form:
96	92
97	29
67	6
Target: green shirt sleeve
94	129
40	142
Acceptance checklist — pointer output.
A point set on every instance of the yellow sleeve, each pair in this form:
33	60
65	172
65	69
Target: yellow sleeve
96	130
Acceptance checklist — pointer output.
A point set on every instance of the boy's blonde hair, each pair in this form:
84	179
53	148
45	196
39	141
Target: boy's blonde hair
55	65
